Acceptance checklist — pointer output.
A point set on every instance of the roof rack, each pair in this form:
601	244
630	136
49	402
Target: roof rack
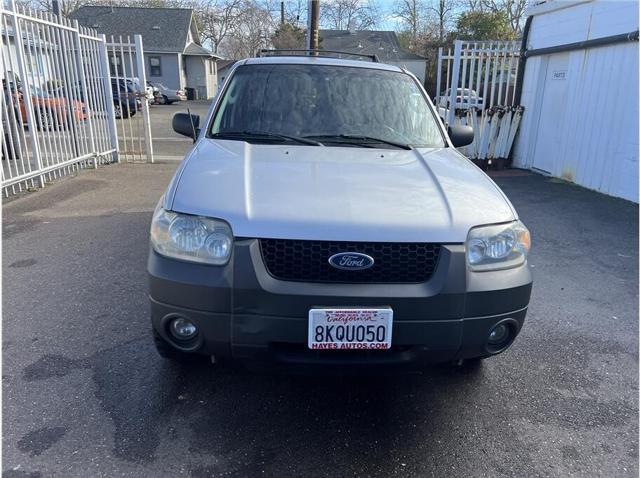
324	53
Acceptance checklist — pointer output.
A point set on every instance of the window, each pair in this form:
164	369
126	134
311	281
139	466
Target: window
155	67
300	100
116	65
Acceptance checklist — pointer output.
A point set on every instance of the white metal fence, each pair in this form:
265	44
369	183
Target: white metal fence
476	85
128	81
58	108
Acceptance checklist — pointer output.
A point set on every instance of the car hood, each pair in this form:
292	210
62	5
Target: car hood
337	193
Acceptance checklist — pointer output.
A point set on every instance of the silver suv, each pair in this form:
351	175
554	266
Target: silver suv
324	219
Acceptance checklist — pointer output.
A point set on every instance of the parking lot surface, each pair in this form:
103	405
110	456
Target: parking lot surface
84	393
167	144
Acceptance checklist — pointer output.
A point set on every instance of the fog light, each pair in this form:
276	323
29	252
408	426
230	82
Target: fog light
498	334
183	329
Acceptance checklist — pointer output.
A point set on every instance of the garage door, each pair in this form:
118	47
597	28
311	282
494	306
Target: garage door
583	117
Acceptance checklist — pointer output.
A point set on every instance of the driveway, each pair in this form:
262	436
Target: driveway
167	144
84	393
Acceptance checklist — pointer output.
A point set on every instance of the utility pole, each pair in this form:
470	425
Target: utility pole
314	20
55	7
281	13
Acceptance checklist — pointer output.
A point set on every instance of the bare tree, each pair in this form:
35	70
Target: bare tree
349	14
295	11
411	13
69	6
443	11
474	5
66	6
514	9
217	19
252	31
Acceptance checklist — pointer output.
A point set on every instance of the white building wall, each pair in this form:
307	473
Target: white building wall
417	67
169	69
38	70
212	77
581	107
558	22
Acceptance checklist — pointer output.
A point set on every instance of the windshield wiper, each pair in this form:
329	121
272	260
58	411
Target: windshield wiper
359	139
264	135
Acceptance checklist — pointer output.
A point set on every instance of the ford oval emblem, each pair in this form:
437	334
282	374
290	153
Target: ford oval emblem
351	261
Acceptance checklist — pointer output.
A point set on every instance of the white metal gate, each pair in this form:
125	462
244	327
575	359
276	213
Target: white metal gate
476	85
57	105
131	98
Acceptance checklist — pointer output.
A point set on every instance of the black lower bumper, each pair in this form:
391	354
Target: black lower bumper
245	314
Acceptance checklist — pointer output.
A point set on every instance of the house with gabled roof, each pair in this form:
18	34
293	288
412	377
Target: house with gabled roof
173	51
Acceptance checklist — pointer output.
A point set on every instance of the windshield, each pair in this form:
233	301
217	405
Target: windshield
327	101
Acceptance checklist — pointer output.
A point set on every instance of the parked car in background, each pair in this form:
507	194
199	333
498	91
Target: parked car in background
465	99
166	96
325	219
10	121
51	111
124	98
147	91
154	89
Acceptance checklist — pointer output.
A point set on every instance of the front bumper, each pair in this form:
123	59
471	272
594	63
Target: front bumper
244	313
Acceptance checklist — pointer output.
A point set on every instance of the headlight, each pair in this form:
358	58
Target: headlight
191	238
498	247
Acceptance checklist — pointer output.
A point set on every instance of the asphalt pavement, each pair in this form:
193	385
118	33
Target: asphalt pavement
84	393
167	144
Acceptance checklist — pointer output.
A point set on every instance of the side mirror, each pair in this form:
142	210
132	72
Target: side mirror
186	124
460	135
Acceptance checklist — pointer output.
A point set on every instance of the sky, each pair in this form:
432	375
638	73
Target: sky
388	20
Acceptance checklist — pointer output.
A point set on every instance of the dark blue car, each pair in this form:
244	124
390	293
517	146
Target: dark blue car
124	98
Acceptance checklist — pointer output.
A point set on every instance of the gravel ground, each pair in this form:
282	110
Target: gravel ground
84	393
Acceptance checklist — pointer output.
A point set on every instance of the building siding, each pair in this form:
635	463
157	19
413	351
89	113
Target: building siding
201	75
588	132
170	76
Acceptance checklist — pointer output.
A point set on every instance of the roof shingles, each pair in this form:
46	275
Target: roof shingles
384	44
162	29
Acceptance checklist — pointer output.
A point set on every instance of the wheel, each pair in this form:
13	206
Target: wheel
163	100
168	352
44	120
117	110
124	112
66	123
11	150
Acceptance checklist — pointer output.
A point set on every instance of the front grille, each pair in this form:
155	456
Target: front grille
307	261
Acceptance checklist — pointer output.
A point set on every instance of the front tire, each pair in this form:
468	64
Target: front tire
44	121
121	111
117	110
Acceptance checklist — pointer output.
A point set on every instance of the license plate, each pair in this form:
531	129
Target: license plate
350	329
